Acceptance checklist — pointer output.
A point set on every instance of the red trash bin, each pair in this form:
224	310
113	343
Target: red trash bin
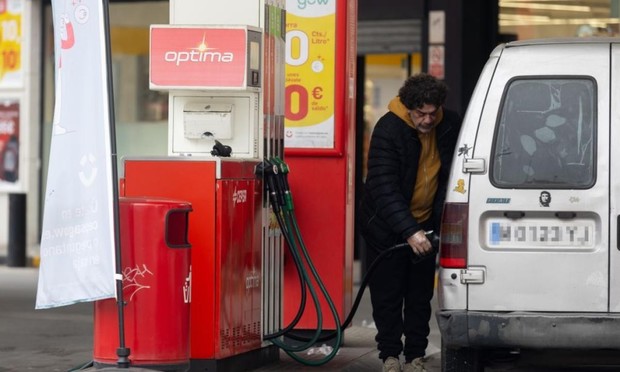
156	288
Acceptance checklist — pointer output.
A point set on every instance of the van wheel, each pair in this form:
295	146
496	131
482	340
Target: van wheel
462	359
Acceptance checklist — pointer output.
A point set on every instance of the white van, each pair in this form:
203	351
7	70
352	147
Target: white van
530	250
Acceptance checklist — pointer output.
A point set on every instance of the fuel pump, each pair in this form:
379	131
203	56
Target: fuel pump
222	66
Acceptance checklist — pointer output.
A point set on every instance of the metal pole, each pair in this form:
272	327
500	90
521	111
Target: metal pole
17	231
425	43
122	352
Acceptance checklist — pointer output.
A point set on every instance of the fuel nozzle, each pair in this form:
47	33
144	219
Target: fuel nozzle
269	172
282	177
434	239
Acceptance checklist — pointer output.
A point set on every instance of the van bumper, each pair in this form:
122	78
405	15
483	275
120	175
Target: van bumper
461	328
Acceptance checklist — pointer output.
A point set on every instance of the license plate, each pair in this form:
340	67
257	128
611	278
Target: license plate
540	233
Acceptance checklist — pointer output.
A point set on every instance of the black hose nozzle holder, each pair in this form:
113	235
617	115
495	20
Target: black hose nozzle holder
220	149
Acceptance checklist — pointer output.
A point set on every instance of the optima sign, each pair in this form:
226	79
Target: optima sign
202	57
198	56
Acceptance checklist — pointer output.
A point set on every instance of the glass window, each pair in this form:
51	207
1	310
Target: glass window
141	115
532	19
545	135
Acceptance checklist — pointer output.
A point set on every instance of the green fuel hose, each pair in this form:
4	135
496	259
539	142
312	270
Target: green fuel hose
275	172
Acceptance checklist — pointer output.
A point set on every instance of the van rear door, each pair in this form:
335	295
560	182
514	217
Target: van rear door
614	189
539	216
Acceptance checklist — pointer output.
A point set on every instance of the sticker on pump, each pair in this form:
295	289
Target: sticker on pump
540	233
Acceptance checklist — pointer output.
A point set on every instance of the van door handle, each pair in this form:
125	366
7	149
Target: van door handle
471	165
473	275
565	215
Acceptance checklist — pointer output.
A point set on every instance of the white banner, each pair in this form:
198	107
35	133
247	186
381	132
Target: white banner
77	244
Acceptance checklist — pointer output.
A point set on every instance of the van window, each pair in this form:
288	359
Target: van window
545	134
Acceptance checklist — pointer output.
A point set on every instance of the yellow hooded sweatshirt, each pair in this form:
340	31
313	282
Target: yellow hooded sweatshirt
421	204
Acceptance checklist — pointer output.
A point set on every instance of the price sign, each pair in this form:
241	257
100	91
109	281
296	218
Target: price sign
10	43
310	73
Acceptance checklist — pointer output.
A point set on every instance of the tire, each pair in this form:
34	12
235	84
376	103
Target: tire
463	359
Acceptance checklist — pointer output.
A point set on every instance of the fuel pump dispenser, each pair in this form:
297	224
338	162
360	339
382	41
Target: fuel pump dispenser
223	66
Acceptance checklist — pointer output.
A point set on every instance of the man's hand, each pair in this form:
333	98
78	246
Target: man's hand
419	243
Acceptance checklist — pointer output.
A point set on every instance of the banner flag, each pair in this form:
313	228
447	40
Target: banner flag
77	242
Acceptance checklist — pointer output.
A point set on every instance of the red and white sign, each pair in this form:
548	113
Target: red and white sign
436	61
9	143
198	57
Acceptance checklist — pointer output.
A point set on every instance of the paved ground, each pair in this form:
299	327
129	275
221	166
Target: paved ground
61	339
41	340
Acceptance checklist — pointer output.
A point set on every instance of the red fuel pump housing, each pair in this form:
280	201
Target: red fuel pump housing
225	231
322	179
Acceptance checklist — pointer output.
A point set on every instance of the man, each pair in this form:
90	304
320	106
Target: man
545	198
409	160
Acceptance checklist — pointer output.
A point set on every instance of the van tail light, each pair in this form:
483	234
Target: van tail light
453	244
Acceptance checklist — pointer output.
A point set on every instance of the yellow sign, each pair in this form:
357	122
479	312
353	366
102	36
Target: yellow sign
10	43
310	73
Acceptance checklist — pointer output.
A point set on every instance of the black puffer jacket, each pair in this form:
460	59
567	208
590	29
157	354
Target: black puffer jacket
384	217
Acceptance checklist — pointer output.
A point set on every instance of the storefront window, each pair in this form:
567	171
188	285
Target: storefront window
385	74
141	115
533	19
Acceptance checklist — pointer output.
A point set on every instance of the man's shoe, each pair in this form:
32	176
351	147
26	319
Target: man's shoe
416	365
391	364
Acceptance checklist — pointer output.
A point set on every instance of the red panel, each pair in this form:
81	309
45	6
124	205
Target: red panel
319	205
193	181
238	269
321	181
